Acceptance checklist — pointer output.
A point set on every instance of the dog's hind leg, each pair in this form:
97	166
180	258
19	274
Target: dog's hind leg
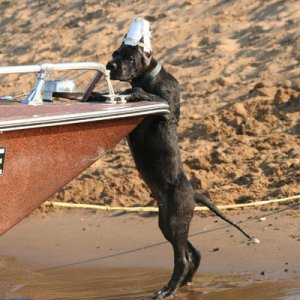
194	258
178	239
175	214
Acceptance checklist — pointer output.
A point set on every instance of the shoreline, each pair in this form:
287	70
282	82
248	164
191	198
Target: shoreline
83	238
75	254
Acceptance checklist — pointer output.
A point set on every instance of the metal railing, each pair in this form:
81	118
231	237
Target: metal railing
35	97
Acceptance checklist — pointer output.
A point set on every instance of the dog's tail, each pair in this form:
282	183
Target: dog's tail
199	198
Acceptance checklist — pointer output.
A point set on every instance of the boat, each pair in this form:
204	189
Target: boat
45	142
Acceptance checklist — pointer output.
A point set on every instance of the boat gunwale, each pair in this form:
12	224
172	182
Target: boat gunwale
115	111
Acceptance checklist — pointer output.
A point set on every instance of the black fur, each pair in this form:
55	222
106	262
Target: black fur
154	146
155	149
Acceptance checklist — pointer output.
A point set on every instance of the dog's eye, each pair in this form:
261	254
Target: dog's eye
115	53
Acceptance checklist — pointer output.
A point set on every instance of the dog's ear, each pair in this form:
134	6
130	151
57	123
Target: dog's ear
146	57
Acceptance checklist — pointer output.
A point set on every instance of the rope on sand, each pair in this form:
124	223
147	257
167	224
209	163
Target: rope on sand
155	209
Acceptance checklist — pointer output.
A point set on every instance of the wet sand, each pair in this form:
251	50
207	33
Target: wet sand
136	283
90	255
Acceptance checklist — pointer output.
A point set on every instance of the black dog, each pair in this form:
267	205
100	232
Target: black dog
154	146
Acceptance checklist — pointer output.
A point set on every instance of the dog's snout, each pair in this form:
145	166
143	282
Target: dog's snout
111	66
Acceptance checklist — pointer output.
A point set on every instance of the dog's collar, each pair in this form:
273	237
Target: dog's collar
150	75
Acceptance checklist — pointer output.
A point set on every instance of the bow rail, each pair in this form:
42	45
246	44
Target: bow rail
35	97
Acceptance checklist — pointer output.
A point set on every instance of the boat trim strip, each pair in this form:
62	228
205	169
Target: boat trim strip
38	121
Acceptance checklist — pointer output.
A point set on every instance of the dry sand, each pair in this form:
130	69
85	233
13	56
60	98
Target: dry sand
238	65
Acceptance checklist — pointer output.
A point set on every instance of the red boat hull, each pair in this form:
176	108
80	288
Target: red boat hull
40	161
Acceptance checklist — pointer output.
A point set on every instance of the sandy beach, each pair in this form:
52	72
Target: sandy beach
238	66
81	254
238	63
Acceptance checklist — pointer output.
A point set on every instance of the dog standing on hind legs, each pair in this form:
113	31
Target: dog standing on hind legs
155	149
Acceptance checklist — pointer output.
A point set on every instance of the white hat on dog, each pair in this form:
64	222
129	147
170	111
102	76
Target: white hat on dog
139	34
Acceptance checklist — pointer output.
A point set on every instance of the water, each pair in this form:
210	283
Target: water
20	282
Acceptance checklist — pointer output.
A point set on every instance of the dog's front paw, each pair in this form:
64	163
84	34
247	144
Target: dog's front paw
133	98
137	90
136	95
126	92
